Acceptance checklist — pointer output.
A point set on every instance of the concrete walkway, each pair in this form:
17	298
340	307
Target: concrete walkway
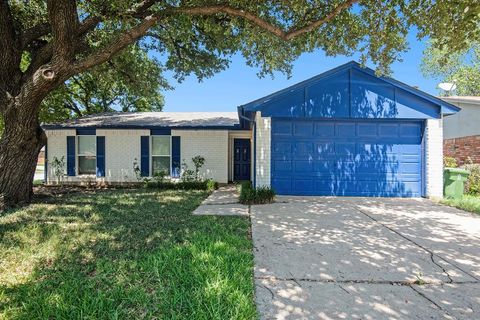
222	202
364	258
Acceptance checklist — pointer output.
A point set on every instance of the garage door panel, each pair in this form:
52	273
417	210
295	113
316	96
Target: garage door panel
282	127
410	130
367	130
303	129
283	147
324	129
354	158
304	147
282	185
282	165
346	129
304	166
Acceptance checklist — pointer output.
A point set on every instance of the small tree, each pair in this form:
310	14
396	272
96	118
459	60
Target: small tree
188	175
58	166
198	162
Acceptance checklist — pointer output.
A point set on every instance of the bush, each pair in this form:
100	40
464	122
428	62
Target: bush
472	185
449	162
261	195
212	185
264	195
208	185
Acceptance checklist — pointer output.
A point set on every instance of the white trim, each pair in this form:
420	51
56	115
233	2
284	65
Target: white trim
77	154
151	154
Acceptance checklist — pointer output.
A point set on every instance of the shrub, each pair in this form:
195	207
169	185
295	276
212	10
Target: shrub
208	185
264	195
472	185
449	162
261	195
212	185
160	176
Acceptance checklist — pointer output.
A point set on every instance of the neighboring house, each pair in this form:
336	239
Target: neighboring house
344	132
461	137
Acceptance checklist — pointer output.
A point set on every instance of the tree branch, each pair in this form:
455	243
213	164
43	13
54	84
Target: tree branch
63	18
260	22
117	45
10	53
150	20
34	33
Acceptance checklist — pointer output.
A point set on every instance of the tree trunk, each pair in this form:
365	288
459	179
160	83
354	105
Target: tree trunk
20	145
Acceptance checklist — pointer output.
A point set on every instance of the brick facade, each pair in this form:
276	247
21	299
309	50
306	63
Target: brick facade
433	158
263	153
463	148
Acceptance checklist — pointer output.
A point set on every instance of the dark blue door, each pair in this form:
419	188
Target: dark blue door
241	159
347	158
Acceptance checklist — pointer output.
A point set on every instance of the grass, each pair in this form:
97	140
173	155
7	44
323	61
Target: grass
125	254
467	203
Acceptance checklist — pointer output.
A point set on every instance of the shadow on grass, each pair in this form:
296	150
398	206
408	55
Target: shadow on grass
125	254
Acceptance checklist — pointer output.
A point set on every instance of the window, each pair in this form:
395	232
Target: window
87	160
161	154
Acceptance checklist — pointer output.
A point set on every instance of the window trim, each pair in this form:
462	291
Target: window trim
151	154
77	155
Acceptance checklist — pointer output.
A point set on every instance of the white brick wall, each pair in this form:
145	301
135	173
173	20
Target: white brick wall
434	158
263	142
57	147
212	145
122	147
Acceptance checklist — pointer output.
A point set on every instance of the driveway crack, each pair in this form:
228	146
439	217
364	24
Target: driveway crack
421	294
357	281
432	254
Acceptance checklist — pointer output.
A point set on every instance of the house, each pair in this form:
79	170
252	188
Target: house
345	132
461	137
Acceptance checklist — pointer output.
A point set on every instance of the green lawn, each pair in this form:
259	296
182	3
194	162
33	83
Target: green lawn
467	203
125	254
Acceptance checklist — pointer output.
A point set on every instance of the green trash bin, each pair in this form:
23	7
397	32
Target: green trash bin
453	182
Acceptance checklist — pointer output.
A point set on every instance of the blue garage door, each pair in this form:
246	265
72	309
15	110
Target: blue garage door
347	158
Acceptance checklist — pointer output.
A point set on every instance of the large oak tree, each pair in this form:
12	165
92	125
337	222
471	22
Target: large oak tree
64	38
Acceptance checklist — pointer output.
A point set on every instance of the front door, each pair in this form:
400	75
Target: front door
241	159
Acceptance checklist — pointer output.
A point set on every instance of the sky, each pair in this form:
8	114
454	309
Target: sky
239	84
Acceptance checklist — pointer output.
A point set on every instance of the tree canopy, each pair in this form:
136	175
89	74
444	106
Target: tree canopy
461	68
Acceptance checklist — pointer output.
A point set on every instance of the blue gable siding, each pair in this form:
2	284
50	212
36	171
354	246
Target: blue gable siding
290	104
329	98
350	91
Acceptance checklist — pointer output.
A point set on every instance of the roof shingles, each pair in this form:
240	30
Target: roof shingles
152	119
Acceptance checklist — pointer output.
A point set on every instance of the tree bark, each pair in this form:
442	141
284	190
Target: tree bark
20	144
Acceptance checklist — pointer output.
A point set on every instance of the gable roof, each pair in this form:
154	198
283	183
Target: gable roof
446	107
146	120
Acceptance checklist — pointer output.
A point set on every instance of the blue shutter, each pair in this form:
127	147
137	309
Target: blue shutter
71	156
100	156
145	156
175	157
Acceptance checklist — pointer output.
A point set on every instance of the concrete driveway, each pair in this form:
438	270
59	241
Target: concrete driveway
365	258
